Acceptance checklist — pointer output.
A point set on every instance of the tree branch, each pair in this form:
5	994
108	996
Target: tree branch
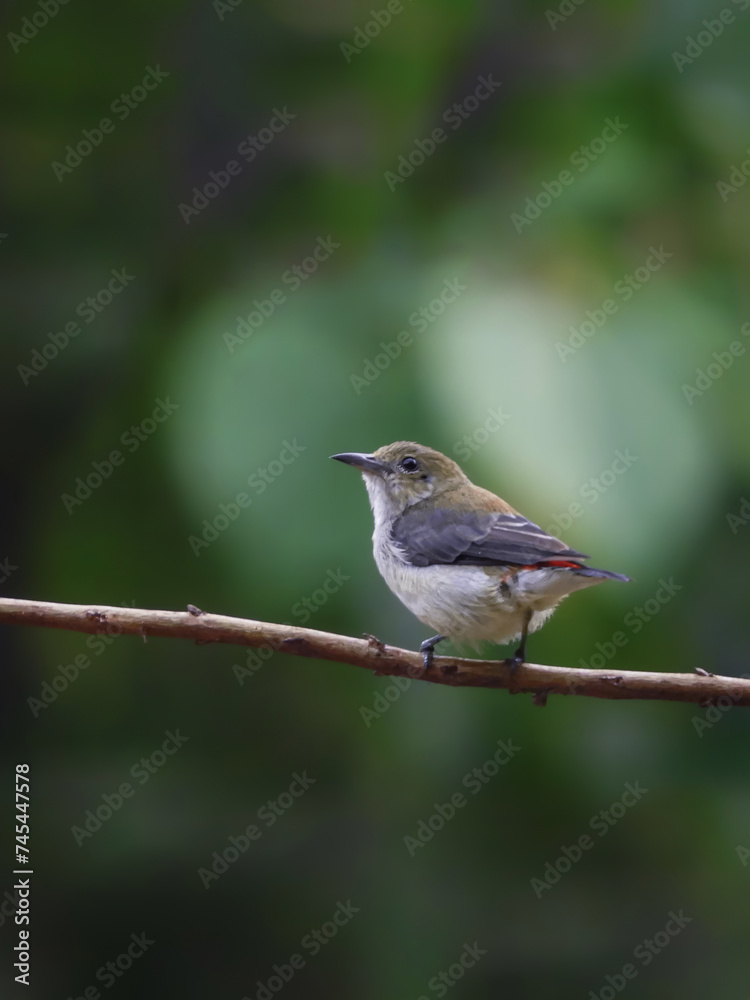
530	678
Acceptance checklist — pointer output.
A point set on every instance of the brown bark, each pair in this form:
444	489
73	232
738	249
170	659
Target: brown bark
540	681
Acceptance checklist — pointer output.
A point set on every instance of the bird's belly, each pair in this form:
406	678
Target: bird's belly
462	602
477	603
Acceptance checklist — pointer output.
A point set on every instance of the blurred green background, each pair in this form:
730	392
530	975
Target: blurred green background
585	371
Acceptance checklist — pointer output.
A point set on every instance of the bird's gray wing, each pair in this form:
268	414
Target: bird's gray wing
441	536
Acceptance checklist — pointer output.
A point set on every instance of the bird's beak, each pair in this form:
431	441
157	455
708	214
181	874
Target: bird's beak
367	463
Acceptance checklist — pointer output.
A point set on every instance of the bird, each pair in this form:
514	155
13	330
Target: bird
460	558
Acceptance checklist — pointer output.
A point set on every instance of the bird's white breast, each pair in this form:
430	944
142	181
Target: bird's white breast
458	601
471	602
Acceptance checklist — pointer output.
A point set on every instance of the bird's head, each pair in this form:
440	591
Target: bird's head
401	474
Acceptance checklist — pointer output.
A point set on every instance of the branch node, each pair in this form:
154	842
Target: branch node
374	643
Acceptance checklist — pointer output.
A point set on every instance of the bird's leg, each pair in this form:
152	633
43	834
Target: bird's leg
519	656
427	649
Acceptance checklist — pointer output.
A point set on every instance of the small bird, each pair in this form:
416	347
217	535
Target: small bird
460	558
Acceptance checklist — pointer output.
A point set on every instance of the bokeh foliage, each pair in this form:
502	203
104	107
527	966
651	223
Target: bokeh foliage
308	375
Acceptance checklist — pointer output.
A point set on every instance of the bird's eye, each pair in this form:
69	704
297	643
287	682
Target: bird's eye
409	464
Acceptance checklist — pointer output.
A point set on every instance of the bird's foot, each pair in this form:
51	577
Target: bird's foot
427	649
514	662
519	657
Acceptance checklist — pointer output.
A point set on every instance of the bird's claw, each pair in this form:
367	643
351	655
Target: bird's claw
427	649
